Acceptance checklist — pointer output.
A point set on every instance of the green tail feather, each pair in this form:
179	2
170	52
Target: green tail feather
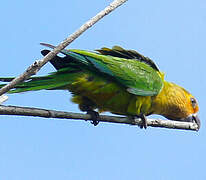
67	72
58	80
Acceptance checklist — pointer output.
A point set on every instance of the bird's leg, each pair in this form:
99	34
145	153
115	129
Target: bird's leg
144	121
94	115
142	117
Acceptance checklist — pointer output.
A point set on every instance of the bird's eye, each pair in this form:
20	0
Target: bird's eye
193	102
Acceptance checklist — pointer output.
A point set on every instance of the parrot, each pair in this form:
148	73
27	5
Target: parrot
115	80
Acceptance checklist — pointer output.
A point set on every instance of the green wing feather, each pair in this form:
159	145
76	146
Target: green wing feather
138	74
118	51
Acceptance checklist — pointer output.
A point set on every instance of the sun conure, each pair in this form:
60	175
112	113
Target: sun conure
116	80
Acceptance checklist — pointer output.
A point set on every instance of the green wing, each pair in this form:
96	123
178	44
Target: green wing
118	51
138	74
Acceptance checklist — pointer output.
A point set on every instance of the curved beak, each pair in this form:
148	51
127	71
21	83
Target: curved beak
193	118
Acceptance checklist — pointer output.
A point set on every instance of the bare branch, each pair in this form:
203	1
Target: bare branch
3	98
45	113
36	66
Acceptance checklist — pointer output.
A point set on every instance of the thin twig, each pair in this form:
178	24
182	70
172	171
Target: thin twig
3	98
45	113
36	66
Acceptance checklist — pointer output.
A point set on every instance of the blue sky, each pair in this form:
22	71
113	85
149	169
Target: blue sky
170	32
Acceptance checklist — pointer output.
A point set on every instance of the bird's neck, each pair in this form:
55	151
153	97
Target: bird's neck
169	101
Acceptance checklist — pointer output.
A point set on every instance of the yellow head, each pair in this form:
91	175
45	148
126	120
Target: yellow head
174	102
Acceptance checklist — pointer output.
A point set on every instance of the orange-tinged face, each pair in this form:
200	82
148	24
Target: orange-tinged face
192	104
178	104
193	108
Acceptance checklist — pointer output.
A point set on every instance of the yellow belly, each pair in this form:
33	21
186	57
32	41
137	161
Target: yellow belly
108	96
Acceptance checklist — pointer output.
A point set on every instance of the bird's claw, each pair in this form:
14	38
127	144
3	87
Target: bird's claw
94	116
143	120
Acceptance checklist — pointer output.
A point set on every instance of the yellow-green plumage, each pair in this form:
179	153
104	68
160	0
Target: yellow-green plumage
107	95
116	80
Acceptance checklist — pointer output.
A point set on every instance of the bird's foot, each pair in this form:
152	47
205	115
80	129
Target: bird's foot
94	116
143	120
